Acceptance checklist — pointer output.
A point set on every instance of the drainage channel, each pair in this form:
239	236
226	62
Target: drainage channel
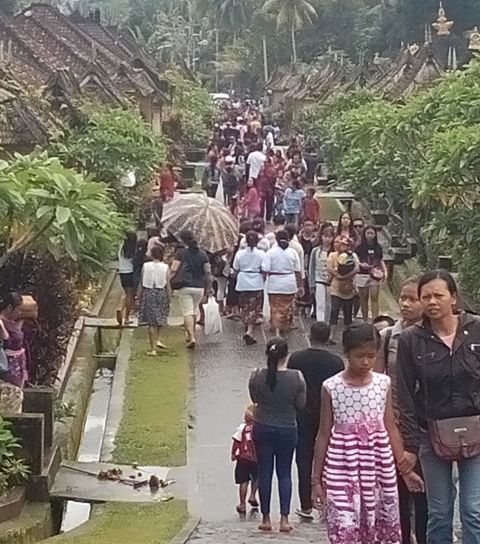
75	513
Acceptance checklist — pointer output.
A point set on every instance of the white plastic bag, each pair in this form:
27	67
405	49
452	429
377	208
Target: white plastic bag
213	319
219	196
266	306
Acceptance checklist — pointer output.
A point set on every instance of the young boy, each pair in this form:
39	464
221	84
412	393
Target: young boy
243	452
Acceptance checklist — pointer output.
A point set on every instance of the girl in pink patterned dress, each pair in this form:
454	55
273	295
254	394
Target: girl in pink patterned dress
357	445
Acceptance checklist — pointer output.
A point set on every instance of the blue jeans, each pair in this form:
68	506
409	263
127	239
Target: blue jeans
274	444
441	496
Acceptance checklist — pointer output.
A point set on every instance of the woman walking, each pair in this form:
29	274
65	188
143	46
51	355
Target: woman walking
211	176
373	272
346	229
154	298
342	266
356	449
125	270
284	281
438	374
278	393
190	274
248	265
319	278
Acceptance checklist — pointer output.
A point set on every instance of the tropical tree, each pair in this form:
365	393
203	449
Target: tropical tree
51	208
291	14
228	15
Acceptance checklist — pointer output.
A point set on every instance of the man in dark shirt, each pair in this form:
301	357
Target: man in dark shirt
317	365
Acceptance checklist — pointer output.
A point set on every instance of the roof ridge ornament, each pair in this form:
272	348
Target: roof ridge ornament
474	40
442	24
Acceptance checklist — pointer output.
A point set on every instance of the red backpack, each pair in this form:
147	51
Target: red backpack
247	447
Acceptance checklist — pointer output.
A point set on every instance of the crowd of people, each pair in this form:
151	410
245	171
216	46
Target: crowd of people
377	436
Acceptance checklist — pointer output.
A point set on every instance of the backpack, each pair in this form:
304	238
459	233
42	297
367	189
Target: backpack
247	447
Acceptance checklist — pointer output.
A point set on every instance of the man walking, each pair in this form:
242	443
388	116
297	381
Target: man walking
317	364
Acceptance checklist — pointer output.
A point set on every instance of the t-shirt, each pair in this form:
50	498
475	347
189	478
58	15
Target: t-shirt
248	262
255	161
125	264
343	288
316	365
278	407
195	261
292	200
370	255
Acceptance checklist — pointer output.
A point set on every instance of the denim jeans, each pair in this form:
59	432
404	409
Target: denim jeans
274	445
441	496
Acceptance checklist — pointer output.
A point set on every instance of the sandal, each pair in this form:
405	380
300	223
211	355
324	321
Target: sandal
191	345
249	340
253	503
161	346
241	509
152	353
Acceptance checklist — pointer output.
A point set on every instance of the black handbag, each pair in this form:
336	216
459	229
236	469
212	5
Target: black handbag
183	276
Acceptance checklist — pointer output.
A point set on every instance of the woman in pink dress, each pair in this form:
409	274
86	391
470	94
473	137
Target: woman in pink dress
357	446
252	201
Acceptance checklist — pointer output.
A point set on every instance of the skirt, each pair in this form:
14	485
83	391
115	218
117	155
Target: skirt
154	307
281	311
251	306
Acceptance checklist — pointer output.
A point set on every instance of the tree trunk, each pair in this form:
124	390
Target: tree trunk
294	44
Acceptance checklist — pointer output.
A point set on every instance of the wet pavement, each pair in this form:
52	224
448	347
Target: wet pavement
222	366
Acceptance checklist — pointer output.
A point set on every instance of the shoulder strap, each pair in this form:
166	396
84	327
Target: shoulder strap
386	345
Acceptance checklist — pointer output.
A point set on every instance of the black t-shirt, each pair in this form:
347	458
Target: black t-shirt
371	255
193	261
316	365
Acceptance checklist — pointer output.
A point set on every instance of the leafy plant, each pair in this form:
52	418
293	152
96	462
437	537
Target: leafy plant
53	208
64	410
112	143
13	471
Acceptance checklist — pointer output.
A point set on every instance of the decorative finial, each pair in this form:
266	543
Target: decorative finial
413	48
474	40
442	25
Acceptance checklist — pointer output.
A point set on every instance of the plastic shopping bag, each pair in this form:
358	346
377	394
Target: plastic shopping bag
213	319
219	196
266	306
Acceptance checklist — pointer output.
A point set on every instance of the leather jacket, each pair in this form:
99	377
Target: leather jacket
434	382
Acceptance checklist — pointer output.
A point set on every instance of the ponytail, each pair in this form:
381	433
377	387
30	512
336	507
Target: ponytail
277	349
252	239
283	239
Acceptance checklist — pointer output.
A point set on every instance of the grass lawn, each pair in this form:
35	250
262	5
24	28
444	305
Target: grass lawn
153	428
152	432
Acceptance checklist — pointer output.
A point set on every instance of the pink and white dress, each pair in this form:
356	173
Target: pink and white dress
359	476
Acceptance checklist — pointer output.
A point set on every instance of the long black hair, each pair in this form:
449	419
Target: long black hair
277	349
365	245
129	244
10	300
283	239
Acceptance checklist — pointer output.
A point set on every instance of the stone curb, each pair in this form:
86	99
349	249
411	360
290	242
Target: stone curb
184	535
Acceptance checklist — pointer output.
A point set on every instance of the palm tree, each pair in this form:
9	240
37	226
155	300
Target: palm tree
229	14
292	14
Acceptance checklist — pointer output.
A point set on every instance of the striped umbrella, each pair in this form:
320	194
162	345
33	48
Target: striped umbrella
211	222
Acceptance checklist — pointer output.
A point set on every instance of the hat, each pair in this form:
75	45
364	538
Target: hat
229	159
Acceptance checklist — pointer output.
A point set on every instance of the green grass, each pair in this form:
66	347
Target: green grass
153	428
126	523
152	432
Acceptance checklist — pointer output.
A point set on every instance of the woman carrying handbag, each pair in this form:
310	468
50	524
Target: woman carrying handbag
438	375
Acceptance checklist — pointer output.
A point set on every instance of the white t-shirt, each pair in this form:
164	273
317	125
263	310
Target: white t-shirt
155	275
282	264
255	160
248	263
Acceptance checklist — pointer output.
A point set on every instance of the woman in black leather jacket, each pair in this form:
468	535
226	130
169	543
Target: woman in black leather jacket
438	373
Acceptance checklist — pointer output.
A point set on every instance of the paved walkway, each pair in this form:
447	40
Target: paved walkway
219	394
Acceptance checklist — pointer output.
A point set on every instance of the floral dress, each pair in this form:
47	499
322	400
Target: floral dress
359	476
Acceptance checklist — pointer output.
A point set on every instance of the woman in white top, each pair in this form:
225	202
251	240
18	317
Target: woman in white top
125	271
318	275
248	265
154	298
282	266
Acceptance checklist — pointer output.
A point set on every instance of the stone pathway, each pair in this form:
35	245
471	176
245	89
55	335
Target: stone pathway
219	394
